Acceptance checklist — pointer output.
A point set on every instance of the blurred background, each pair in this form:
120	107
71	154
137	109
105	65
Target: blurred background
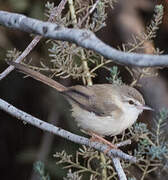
22	144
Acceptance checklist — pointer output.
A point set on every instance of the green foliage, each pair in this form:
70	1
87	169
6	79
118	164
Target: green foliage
39	168
157	152
150	155
50	11
151	32
114	76
66	59
99	17
91	165
49	8
85	153
12	54
156	21
140	128
72	176
152	150
160	123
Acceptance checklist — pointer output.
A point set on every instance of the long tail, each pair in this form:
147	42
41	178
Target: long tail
38	76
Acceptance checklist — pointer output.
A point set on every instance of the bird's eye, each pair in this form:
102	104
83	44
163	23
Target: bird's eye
131	102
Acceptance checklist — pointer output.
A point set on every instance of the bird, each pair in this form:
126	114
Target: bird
100	109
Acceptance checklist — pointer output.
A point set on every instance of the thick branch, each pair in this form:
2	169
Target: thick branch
81	37
60	132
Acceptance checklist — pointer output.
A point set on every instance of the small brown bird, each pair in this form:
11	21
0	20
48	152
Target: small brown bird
100	109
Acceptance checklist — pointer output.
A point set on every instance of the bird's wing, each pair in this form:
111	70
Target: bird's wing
93	98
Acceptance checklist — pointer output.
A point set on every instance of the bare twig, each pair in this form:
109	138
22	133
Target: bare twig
90	12
88	78
21	115
83	38
104	168
22	56
56	11
119	169
73	13
123	143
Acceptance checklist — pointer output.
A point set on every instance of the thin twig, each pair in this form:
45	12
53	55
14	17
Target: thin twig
21	115
87	78
88	13
56	11
73	13
123	143
104	168
21	57
100	65
145	171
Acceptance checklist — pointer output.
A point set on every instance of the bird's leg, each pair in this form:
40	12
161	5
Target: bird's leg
97	138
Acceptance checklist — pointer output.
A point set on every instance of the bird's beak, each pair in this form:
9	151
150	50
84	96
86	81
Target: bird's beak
144	107
147	108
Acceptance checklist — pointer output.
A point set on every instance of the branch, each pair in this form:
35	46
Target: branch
21	115
28	49
119	169
56	11
81	37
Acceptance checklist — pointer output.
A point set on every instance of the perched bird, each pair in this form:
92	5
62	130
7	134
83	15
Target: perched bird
100	109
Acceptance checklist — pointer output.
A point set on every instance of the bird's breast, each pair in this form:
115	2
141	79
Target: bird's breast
102	125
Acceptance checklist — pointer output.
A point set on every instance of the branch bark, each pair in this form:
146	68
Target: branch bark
81	37
119	169
21	115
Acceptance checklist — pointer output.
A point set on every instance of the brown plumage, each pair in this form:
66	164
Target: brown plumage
130	92
104	109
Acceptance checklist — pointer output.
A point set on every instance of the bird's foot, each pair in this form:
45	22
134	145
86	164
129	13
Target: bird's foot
98	138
